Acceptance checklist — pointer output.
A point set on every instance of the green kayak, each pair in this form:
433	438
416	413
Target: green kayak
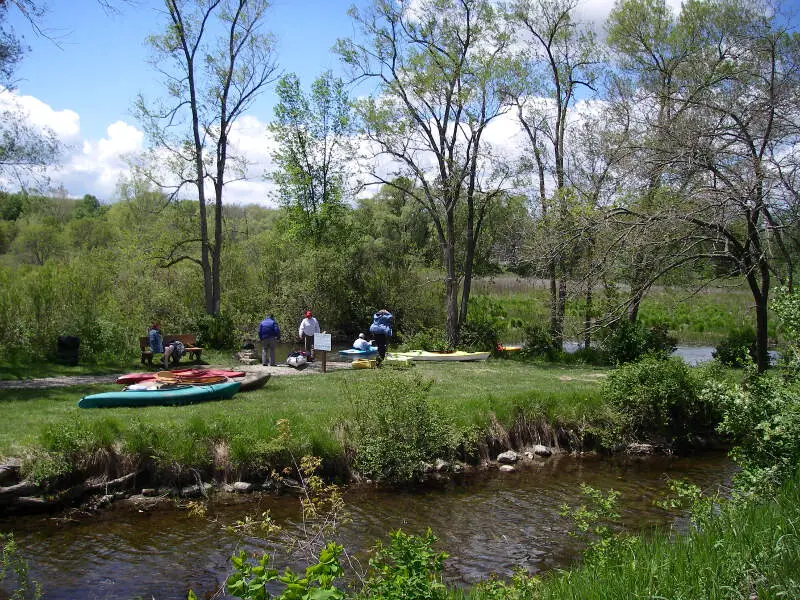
166	396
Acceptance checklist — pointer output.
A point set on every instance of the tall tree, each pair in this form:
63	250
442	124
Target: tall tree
561	57
731	131
443	75
312	134
215	60
25	149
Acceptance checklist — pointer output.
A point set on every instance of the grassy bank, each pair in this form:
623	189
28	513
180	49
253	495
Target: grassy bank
743	550
242	434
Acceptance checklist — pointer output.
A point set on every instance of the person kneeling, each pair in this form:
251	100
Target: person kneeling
361	343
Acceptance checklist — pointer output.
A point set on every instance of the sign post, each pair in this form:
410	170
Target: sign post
322	342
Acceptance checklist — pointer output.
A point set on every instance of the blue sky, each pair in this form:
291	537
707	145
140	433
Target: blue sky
97	62
82	83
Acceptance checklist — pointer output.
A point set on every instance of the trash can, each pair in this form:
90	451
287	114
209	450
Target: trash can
68	349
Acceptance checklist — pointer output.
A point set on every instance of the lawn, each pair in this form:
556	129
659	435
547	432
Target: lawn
469	393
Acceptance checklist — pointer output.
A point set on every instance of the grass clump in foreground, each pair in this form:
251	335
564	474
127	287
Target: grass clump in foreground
241	435
741	550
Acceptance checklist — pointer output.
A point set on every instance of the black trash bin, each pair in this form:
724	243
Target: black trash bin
68	349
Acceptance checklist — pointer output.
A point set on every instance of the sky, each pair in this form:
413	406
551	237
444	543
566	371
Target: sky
82	79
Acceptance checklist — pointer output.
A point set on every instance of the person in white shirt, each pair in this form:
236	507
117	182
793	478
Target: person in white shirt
308	327
361	342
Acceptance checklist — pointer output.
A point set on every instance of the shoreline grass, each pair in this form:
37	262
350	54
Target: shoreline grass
742	549
473	396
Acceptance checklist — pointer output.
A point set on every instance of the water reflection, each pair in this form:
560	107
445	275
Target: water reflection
487	523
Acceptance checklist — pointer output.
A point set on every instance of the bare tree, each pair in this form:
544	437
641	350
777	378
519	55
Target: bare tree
561	57
215	60
730	134
443	75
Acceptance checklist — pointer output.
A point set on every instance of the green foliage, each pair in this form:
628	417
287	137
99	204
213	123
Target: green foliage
407	569
592	523
660	398
630	340
395	426
249	581
737	349
432	340
537	341
216	331
486	324
14	567
786	307
763	418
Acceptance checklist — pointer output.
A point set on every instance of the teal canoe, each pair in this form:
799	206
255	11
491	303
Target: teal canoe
166	396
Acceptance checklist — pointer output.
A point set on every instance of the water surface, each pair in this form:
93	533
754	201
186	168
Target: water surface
487	523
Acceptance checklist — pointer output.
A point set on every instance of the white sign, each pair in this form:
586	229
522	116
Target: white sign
322	341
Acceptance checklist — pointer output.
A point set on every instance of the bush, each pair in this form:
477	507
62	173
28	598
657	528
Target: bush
628	341
432	340
217	332
396	427
537	341
737	349
408	568
763	417
659	398
485	326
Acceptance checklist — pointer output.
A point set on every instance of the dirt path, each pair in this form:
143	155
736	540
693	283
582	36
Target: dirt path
65	381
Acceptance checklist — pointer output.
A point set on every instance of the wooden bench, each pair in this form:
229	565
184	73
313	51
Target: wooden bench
189	342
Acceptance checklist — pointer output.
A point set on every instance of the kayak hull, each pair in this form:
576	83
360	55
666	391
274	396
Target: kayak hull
358	354
422	355
253	381
168	396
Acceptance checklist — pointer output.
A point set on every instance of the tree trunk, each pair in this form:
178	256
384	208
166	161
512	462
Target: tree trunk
587	318
451	284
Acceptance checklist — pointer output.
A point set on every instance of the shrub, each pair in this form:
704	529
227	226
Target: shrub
408	568
537	341
486	324
217	332
763	417
659	397
396	427
737	349
628	341
432	340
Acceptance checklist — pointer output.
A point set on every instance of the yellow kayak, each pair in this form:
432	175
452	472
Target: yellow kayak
423	355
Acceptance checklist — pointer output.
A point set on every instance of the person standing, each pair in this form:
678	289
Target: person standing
270	334
308	327
381	329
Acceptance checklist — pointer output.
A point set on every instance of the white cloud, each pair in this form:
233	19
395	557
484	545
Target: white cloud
596	11
65	123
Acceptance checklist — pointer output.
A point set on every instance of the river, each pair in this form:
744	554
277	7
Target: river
489	522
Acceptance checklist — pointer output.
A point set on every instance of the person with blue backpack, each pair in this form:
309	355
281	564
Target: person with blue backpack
381	330
270	334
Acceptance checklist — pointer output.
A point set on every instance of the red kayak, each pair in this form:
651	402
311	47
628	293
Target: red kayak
194	373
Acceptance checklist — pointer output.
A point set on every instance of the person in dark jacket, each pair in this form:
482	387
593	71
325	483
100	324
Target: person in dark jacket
270	334
381	329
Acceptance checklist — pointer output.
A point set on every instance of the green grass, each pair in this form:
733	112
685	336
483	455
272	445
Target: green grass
468	393
703	317
747	550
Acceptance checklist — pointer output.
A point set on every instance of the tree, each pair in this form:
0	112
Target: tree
560	57
211	82
312	145
24	149
443	73
727	130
